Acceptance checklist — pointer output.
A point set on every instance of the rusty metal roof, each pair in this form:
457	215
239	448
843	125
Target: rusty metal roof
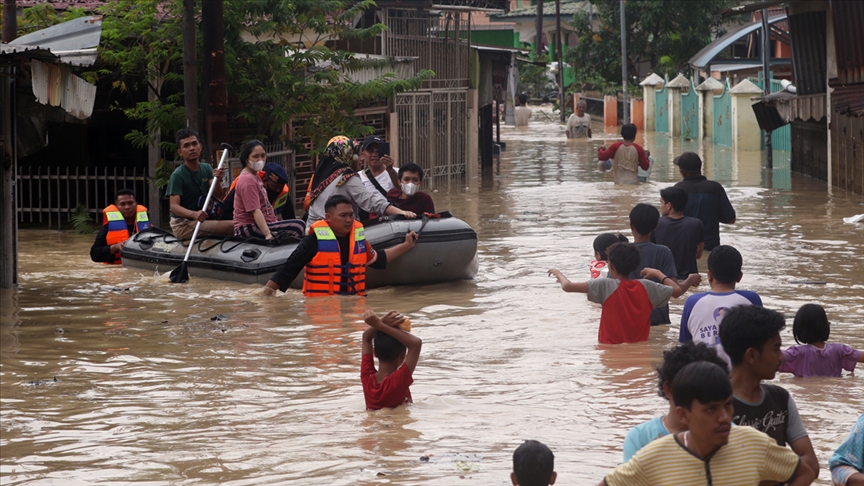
848	100
73	42
849	40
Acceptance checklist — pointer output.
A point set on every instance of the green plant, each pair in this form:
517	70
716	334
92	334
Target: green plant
82	222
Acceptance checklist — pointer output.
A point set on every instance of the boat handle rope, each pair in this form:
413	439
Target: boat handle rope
229	250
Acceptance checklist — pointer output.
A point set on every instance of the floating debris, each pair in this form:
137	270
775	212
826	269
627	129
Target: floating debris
42	382
219	317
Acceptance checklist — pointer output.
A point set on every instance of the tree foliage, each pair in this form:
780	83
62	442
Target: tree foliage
42	16
278	65
665	34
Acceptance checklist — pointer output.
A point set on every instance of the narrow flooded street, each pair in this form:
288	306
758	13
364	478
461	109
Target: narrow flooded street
151	389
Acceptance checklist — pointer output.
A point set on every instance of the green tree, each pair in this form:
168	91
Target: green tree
663	33
42	16
275	78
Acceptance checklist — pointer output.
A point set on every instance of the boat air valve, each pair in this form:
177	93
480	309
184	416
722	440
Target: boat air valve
250	254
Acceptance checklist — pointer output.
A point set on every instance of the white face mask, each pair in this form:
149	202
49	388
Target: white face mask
257	166
410	189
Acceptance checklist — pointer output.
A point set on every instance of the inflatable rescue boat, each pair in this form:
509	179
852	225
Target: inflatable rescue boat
445	251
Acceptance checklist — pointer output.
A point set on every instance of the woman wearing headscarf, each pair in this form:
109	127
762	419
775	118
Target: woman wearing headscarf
254	216
335	175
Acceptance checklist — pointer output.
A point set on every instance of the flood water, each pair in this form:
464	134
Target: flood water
151	390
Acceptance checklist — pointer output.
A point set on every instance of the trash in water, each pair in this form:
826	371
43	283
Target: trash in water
424	458
854	219
59	330
42	382
219	317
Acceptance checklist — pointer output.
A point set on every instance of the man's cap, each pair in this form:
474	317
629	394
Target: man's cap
369	141
275	173
689	161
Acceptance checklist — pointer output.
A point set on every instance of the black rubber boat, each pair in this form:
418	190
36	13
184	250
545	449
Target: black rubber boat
445	251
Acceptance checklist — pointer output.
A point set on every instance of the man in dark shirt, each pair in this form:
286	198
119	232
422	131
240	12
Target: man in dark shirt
339	218
276	183
123	218
707	200
683	235
408	196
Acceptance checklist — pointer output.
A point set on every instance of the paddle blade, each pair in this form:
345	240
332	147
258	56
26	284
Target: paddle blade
179	274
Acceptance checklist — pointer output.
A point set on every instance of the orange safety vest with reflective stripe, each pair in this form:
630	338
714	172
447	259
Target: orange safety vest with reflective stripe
325	274
118	232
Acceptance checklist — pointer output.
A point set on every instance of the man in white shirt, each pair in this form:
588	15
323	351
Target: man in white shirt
523	113
379	174
579	124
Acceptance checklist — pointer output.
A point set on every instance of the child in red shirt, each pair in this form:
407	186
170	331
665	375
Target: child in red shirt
397	352
627	304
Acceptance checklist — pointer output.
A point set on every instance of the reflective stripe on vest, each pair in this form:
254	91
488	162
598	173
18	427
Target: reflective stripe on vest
280	200
118	232
325	274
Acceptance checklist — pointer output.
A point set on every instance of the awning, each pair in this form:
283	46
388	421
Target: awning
795	107
73	42
705	57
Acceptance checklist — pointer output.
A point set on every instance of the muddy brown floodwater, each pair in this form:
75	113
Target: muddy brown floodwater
150	390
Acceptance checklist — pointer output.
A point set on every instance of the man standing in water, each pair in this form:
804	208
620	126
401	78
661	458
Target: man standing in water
188	185
522	112
706	199
579	123
335	255
122	219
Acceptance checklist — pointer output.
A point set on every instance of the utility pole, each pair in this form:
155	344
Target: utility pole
190	65
538	42
624	64
10	20
766	82
559	57
214	62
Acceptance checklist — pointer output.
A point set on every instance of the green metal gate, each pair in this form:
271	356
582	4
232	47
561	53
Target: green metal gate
781	138
690	114
661	105
723	117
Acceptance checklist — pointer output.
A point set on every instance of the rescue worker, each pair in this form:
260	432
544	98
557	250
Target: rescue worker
121	219
335	255
276	182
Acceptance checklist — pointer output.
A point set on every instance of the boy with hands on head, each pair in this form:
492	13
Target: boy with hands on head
397	351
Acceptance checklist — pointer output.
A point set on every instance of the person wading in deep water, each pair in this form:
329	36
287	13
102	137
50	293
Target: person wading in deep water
121	220
335	255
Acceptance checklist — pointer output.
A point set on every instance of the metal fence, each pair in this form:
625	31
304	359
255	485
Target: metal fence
50	193
690	113
723	117
662	108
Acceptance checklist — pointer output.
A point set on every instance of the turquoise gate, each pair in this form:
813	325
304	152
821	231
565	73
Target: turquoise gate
661	106
723	117
690	114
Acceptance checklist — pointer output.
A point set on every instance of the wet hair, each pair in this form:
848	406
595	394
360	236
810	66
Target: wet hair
336	200
247	150
810	324
185	133
387	348
411	167
644	218
702	381
533	464
724	263
628	132
124	192
680	356
689	162
604	241
748	326
675	196
624	257
523	99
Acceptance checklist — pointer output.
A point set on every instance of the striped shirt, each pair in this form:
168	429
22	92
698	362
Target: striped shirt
749	458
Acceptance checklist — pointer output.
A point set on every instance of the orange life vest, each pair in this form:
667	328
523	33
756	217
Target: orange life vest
325	274
117	230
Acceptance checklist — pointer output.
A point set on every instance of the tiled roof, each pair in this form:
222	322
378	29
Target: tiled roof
567	9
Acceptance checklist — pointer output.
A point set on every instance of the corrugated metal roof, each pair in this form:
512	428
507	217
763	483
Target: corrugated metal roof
56	86
712	50
848	100
797	107
73	42
808	51
849	40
